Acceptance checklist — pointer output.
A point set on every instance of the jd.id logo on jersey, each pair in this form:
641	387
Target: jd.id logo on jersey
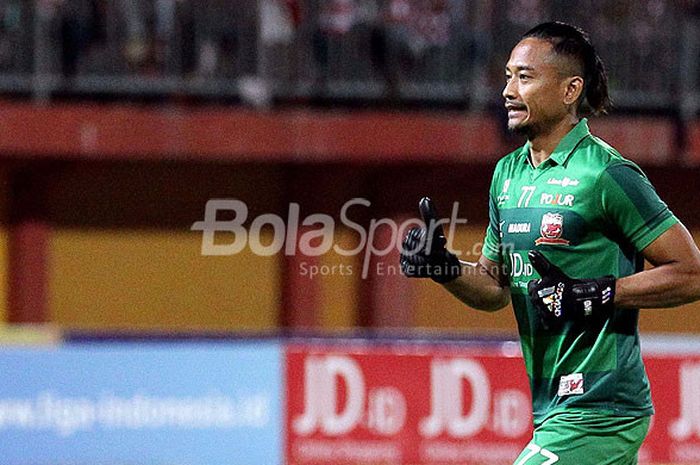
551	230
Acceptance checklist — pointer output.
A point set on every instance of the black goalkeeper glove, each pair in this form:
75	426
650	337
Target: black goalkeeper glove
559	298
425	256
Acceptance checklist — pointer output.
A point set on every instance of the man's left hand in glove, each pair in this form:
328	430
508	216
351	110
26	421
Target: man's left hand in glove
559	298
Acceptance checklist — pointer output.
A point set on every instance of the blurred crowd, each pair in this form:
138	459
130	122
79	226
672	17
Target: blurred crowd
403	39
153	37
375	47
226	38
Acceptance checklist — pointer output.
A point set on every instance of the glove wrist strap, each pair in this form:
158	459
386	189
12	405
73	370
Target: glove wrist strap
595	295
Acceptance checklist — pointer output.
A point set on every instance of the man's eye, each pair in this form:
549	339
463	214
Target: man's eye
524	77
508	77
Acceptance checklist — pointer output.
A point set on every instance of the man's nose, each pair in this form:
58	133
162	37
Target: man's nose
509	92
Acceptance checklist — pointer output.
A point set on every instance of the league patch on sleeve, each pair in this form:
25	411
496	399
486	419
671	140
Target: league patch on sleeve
570	384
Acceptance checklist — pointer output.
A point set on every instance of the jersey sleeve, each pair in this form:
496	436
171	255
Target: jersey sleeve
631	206
492	240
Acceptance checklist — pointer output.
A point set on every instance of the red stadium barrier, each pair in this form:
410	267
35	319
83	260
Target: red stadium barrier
693	143
633	136
126	132
239	134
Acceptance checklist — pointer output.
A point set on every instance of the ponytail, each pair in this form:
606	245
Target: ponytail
572	42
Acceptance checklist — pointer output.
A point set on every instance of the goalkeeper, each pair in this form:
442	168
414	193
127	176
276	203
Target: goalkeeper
581	219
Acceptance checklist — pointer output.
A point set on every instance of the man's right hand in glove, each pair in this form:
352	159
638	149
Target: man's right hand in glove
423	252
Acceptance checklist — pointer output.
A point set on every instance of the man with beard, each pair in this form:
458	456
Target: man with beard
571	222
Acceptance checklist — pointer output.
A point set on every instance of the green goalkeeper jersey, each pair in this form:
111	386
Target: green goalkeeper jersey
591	212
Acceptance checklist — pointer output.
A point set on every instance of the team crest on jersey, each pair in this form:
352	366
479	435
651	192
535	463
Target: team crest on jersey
551	230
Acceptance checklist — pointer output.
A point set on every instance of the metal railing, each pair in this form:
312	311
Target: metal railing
439	51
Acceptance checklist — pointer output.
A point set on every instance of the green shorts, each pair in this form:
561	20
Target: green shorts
585	439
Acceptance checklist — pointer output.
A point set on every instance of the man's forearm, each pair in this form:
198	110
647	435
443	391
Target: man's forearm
667	285
479	288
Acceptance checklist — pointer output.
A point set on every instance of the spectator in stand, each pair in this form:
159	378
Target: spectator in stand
431	26
432	34
336	18
15	36
389	44
277	29
690	52
173	38
137	48
225	48
419	40
80	24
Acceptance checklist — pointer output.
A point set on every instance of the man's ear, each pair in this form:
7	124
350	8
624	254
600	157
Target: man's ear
573	90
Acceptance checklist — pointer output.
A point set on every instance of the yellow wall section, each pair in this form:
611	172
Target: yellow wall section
4	237
339	296
158	280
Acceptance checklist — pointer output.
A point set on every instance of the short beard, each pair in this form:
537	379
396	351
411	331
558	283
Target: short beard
527	130
532	130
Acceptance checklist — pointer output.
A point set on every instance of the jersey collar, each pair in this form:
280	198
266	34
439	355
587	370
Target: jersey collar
566	146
